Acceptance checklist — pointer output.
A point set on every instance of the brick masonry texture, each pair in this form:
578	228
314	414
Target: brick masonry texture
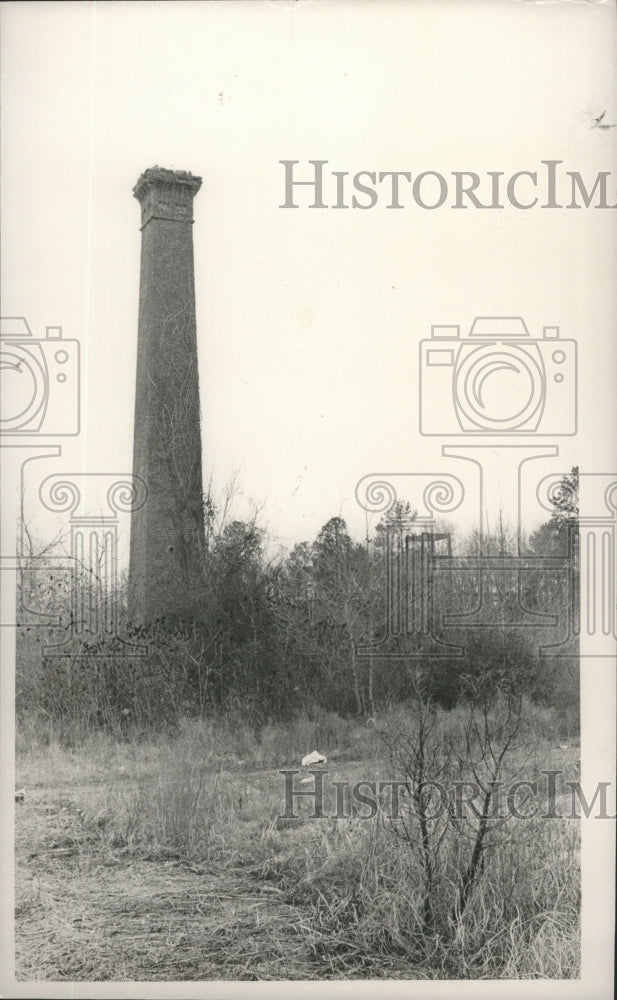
167	533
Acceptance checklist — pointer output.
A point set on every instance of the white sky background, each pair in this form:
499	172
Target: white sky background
308	321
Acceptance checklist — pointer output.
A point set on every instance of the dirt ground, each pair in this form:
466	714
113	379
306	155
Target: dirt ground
89	910
95	903
85	912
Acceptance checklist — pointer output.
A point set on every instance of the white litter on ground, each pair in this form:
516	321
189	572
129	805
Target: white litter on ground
313	758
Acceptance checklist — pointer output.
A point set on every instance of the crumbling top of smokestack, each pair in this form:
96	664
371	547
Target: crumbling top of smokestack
166	194
161	175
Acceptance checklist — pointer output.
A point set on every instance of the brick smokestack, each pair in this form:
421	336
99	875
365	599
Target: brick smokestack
167	533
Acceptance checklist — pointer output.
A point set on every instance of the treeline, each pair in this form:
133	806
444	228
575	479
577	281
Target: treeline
336	624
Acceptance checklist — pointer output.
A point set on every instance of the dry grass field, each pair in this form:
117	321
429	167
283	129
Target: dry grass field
148	859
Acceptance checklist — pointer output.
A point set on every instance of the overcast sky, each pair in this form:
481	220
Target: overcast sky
309	321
